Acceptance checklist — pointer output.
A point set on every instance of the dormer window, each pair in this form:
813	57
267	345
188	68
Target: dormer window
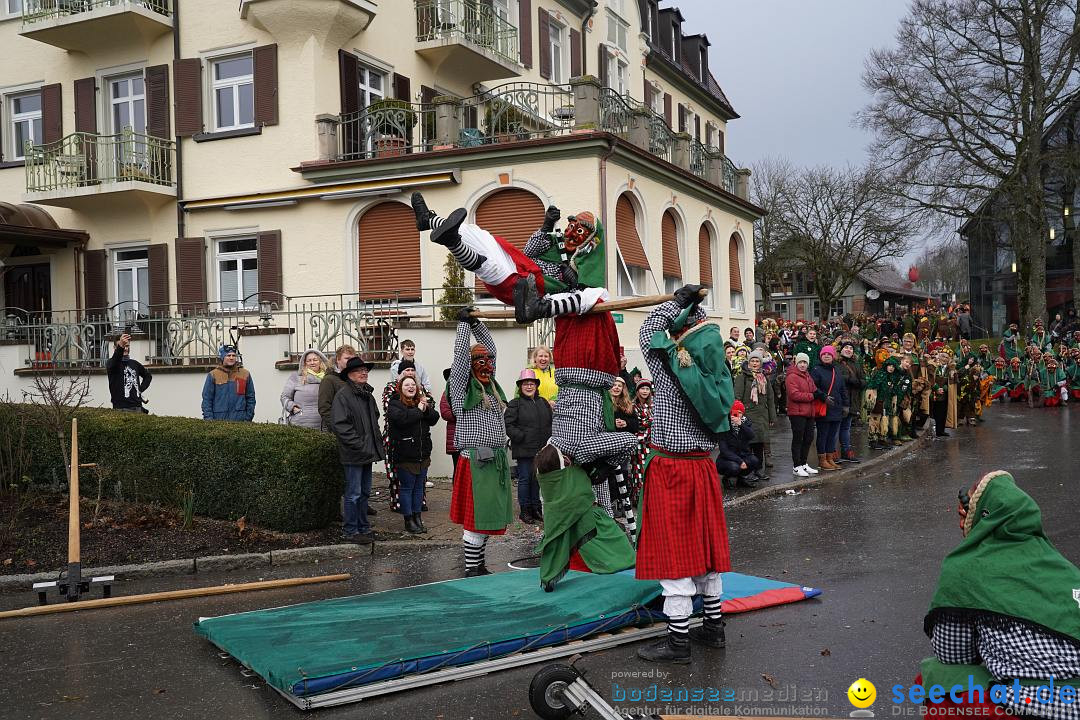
703	62
674	49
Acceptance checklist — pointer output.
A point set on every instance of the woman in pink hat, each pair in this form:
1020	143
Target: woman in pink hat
528	424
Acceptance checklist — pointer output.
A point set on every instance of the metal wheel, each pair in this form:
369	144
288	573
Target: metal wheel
545	691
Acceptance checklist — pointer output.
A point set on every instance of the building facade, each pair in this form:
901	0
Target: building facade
873	292
199	168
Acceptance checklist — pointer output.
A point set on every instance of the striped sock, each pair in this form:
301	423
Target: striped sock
435	221
712	608
565	304
679	629
467	257
474	555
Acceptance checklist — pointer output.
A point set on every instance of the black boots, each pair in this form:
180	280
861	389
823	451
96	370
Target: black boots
527	303
526	516
414	525
476	571
420	209
419	522
672	649
710	634
447	233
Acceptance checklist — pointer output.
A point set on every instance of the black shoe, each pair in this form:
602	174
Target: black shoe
477	571
372	511
420	209
526	300
710	634
538	514
762	477
747	481
729	482
419	522
411	526
447	233
526	517
667	650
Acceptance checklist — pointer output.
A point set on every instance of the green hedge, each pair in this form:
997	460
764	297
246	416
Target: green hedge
280	477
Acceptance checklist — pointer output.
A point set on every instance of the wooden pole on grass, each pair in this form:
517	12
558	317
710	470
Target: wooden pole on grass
74	571
608	306
171	595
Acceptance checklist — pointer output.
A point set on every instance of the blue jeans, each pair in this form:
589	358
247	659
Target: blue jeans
528	489
357	492
845	433
826	435
411	491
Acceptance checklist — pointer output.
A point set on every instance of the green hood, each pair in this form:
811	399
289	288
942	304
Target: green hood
476	392
696	360
1006	566
590	263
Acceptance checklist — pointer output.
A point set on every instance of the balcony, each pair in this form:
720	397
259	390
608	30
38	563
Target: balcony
466	38
84	170
515	113
91	25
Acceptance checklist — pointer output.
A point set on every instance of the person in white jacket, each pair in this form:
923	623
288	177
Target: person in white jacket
408	352
300	397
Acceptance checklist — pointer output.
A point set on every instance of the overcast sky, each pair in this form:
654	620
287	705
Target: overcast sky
792	70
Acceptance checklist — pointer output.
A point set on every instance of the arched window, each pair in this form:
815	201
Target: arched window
389	251
669	243
633	263
735	273
705	260
512	214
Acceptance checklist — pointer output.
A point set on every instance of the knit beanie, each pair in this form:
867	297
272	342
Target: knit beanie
802	357
828	350
737	408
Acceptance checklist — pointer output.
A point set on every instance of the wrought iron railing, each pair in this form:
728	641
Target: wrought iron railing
471	20
40	10
84	159
617	111
387	128
728	175
516	111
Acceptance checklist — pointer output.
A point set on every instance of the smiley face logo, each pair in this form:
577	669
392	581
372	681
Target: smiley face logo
862	693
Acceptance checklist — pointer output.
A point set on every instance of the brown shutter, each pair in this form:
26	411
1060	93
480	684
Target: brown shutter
734	268
601	65
525	32
157	102
389	253
187	86
705	255
349	76
544	26
697	128
669	244
158	271
667	109
575	53
190	274
52	115
720	140
647	91
95	271
682	118
270	266
626	234
512	214
86	105
402	88
265	72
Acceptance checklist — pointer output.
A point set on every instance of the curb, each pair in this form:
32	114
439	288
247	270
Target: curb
832	477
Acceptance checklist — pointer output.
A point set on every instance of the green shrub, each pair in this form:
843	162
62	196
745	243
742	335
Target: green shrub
280	477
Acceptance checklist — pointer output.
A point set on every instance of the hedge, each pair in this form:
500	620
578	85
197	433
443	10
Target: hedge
280	477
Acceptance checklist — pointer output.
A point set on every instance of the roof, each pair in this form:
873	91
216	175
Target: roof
890	282
31	225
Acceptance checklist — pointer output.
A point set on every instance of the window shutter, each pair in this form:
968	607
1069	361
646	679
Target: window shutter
190	275
158	272
720	140
389	252
402	88
270	266
86	105
187	86
349	76
669	243
734	269
705	255
626	234
667	109
601	65
525	32
682	118
647	92
52	116
157	102
575	53
544	25
94	273
265	72
697	128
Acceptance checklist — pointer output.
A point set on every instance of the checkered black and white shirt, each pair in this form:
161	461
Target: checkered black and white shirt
538	244
675	427
577	425
483	425
1011	649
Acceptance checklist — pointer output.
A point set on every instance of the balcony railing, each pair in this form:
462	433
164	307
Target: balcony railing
41	10
84	159
470	20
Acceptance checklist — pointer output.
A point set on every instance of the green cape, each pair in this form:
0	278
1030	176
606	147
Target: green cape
476	392
573	522
1007	567
591	266
696	360
493	503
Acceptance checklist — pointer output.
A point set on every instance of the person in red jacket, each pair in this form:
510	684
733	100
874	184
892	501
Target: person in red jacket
800	409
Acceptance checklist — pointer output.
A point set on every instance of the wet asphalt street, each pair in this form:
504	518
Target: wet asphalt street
873	545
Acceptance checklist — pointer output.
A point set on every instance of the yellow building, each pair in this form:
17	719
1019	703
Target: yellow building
172	164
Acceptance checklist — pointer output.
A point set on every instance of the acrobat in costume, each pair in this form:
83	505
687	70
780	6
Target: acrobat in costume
683	540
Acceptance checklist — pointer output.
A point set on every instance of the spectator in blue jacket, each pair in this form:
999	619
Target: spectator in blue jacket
831	390
736	462
228	392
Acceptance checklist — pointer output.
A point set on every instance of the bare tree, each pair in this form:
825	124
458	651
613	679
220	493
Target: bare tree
960	107
57	398
840	224
943	267
769	182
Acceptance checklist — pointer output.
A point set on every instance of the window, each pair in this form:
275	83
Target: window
617	32
618	6
238	272
618	74
837	308
631	279
128	104
658	100
234	92
675	32
703	62
558	46
24	111
648	22
780	308
13	7
132	277
372	85
735	258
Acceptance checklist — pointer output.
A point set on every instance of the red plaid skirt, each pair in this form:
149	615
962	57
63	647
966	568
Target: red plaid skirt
683	530
461	502
587	341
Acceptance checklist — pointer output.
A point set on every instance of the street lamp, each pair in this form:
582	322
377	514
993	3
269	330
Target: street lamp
266	312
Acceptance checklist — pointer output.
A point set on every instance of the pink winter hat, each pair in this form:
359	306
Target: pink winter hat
828	349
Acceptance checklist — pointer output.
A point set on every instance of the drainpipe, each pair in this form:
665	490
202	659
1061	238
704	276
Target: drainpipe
603	184
77	255
180	228
584	55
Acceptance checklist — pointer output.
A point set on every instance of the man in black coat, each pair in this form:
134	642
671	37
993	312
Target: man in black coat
736	461
128	379
528	424
354	418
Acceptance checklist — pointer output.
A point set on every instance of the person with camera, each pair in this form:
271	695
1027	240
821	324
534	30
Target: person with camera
128	379
410	415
